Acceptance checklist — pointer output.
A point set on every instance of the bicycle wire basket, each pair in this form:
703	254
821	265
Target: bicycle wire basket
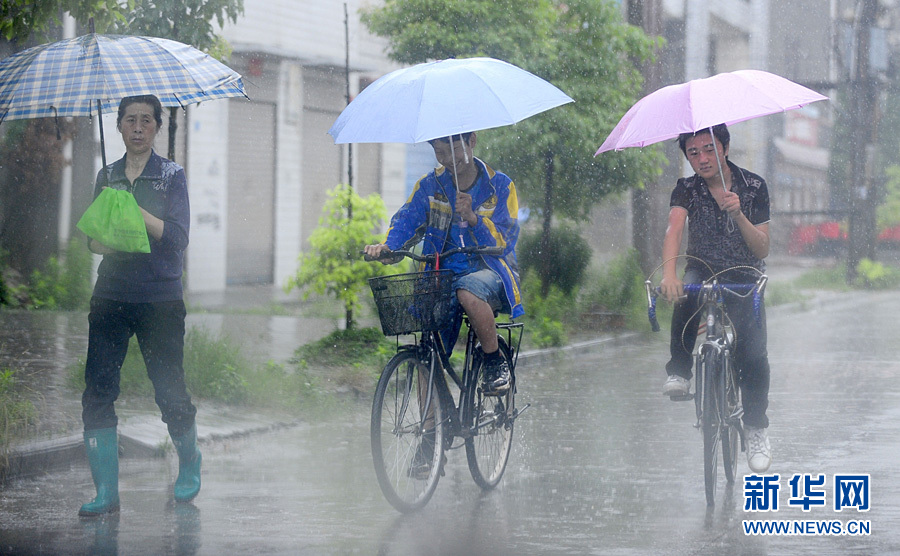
413	302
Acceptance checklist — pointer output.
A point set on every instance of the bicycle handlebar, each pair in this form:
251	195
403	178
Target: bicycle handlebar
490	250
708	288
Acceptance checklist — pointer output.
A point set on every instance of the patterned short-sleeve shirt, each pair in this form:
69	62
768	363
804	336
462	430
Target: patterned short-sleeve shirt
712	236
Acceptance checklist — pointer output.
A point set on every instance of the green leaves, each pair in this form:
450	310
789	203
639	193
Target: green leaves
334	265
581	46
421	30
187	21
20	18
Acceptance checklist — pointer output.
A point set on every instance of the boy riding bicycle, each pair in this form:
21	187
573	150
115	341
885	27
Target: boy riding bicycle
727	211
478	207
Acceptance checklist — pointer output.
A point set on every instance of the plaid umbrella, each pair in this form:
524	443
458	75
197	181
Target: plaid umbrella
92	73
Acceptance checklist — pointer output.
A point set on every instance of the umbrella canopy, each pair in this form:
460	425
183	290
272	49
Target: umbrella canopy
448	97
68	77
726	98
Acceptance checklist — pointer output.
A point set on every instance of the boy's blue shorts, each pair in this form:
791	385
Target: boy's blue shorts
485	285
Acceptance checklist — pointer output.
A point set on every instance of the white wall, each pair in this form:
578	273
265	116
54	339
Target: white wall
739	32
207	175
311	30
289	172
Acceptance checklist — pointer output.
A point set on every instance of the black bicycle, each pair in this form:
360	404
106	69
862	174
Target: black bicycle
415	418
718	395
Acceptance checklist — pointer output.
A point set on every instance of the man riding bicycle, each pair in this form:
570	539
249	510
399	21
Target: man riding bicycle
727	210
478	207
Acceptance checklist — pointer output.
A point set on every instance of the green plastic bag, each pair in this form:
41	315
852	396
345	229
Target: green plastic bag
114	219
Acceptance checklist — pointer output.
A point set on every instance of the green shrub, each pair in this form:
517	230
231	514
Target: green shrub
869	274
782	293
834	278
64	285
16	412
876	276
214	369
621	282
569	255
364	347
334	265
546	316
618	287
350	359
278	386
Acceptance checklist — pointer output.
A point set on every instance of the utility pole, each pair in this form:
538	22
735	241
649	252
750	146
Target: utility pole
646	14
863	113
347	83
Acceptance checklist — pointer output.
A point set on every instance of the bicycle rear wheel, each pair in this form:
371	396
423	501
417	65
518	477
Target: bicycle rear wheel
709	423
491	427
407	433
733	410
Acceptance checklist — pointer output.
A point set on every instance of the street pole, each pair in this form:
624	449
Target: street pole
646	14
347	83
863	113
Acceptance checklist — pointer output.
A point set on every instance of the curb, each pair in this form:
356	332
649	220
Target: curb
534	357
143	440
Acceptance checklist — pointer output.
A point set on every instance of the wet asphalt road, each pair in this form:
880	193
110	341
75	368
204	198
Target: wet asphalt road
602	464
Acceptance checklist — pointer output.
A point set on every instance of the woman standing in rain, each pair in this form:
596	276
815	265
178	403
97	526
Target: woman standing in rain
140	294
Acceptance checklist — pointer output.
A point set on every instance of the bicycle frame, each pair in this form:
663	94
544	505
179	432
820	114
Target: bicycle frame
415	417
430	349
720	341
717	399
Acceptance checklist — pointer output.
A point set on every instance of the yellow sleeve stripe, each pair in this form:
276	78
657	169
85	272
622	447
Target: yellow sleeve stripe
516	294
501	241
512	201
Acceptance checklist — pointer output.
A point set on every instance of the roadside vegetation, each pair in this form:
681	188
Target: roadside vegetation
593	298
17	412
62	283
870	275
216	370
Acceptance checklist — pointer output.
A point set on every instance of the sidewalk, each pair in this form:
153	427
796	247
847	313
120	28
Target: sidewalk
143	434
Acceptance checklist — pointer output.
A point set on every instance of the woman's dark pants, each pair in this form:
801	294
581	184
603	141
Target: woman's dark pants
159	328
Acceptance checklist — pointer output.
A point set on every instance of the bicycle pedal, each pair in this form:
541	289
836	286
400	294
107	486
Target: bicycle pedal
682	398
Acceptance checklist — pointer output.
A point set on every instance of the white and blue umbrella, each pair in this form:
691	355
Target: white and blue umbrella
439	99
90	74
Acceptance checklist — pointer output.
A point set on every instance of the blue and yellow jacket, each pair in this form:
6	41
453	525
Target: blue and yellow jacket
427	215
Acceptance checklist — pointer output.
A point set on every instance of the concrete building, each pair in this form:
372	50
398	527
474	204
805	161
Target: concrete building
791	38
259	169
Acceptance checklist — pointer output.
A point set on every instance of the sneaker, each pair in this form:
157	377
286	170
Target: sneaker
676	386
496	379
759	453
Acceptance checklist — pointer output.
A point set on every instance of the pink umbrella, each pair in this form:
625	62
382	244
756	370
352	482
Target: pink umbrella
726	98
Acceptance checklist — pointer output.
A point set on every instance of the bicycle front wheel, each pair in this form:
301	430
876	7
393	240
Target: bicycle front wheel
407	433
733	410
491	427
709	423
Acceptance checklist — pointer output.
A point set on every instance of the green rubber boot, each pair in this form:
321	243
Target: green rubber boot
102	446
187	485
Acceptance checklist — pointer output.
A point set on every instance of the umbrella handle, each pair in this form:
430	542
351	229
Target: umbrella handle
102	140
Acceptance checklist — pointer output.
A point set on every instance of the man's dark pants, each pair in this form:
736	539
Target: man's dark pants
750	354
